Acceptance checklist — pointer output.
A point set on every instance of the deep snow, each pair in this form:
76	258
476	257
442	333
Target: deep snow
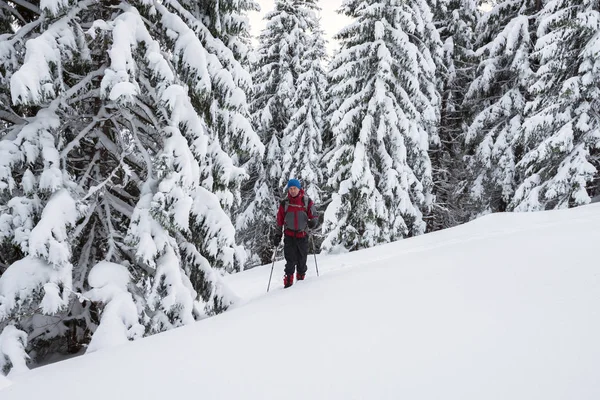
505	307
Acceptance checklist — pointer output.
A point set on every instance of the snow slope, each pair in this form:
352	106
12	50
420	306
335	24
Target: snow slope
505	307
4	382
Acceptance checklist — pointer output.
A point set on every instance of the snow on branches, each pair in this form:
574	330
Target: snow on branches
119	158
386	116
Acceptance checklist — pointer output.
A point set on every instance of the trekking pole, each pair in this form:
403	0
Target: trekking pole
273	265
314	254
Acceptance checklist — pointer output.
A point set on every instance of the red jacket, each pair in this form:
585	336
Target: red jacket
295	220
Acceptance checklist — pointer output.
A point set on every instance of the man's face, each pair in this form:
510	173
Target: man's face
293	191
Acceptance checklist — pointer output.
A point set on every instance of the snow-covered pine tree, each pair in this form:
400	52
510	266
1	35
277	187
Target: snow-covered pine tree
497	99
456	21
278	66
330	104
38	210
255	224
560	139
302	142
379	169
107	171
223	30
228	21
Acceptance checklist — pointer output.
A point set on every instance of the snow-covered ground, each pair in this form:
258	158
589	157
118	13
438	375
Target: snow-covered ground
505	307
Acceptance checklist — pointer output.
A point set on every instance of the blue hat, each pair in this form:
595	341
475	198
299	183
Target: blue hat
294	182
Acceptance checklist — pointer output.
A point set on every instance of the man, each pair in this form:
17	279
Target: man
296	215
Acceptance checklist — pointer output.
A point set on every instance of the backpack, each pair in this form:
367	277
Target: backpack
286	203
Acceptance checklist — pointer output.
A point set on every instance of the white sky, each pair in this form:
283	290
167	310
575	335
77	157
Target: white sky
330	20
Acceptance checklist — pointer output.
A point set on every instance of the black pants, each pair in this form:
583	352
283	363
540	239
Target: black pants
295	251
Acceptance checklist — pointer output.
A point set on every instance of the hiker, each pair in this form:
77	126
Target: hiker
296	216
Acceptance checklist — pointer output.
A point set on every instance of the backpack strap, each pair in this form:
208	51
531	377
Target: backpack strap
286	203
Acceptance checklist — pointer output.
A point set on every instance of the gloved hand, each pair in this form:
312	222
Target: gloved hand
276	238
313	223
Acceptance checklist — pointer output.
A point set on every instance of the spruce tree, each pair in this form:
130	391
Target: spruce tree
379	169
456	21
223	32
114	177
560	138
497	99
302	142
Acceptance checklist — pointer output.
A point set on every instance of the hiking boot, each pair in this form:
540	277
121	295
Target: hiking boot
288	281
299	276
